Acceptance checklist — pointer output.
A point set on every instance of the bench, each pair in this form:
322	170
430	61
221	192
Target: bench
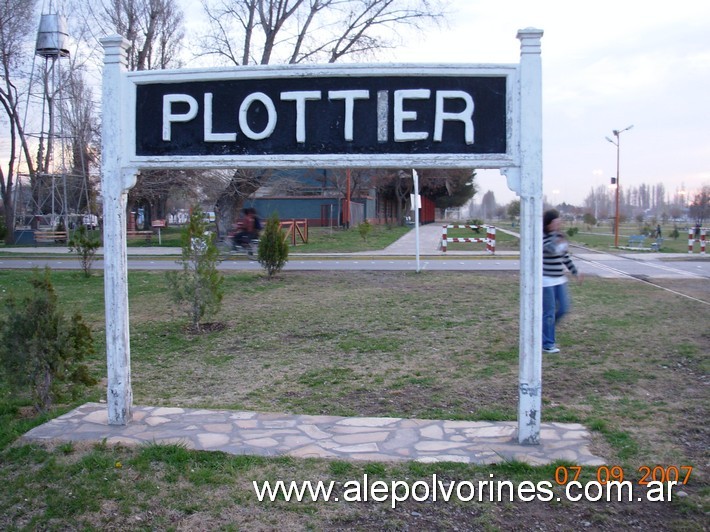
146	235
51	237
655	246
636	241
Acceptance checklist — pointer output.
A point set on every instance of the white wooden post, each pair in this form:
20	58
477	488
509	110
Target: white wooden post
115	183
530	370
415	177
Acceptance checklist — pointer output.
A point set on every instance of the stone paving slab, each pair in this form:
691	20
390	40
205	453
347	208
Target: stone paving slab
305	436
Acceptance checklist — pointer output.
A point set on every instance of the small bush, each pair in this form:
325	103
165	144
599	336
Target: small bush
41	349
273	248
572	231
365	228
478	223
198	286
85	244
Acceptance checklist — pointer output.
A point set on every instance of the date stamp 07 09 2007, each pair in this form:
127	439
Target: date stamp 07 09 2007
644	474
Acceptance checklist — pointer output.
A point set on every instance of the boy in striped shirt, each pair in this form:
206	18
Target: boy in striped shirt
555	263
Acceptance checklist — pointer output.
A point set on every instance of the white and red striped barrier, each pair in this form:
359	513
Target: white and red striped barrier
490	239
692	239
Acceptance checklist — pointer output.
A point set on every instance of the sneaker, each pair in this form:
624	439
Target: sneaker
553	349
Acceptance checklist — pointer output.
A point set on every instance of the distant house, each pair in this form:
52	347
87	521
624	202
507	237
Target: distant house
318	196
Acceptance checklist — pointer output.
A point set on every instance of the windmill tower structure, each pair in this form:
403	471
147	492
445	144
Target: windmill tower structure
58	192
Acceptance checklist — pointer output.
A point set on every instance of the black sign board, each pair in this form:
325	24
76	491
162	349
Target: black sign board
292	116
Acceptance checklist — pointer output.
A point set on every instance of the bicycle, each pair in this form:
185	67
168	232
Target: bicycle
227	248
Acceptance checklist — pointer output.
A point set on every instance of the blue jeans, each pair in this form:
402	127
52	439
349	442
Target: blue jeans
555	304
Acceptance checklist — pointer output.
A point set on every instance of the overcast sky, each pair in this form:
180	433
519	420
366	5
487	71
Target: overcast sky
607	64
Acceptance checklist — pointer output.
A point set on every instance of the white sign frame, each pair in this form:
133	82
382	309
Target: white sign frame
265	72
522	164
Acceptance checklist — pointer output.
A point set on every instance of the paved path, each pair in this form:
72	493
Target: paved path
344	438
597	265
429	235
399	256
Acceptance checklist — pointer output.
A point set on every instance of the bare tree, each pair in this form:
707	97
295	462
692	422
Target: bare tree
154	29
80	119
403	186
68	102
16	23
151	193
447	187
396	186
240	184
287	186
488	205
243	32
700	208
293	31
598	202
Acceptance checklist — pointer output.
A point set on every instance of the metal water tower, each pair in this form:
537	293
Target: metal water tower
52	36
49	189
58	191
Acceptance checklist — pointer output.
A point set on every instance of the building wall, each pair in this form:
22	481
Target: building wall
318	210
427	214
323	211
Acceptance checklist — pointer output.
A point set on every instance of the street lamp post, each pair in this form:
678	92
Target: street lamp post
617	142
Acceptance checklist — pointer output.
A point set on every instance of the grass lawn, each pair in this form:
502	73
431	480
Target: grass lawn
634	369
326	240
602	237
320	239
504	241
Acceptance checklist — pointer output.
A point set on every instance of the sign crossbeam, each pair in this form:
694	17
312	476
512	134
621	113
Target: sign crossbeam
401	116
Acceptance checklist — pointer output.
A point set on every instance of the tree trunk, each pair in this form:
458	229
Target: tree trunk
242	185
9	216
401	194
226	211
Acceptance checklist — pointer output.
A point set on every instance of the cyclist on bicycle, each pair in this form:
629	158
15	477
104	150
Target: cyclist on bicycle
246	229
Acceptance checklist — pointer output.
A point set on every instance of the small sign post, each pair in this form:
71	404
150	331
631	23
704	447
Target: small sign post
416	205
158	224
